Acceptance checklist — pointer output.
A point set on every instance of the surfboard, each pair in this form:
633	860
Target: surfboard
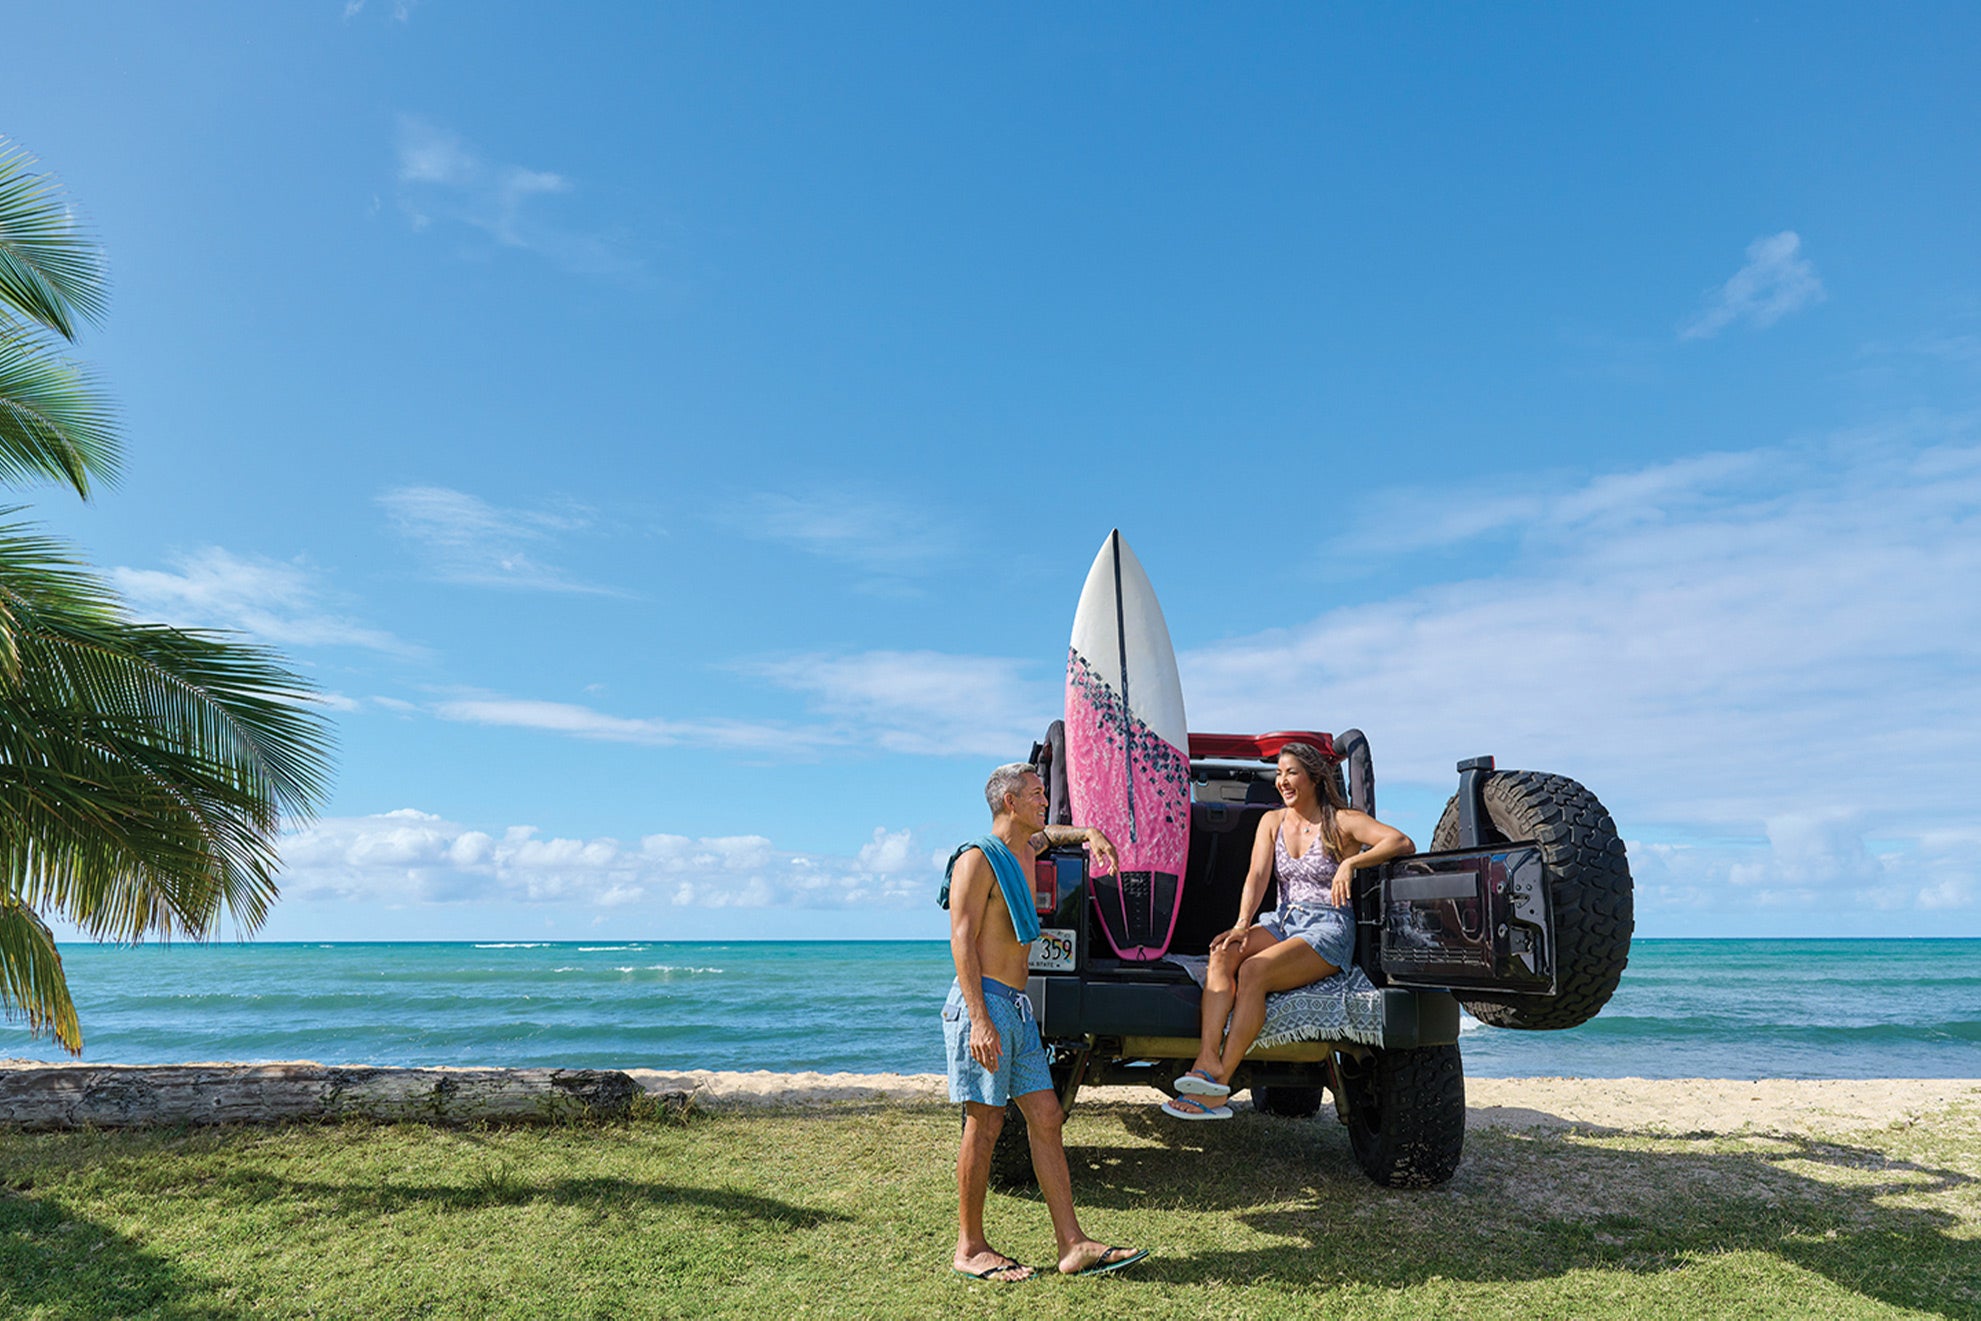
1127	750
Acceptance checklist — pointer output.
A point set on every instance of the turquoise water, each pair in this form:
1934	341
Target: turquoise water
1732	1008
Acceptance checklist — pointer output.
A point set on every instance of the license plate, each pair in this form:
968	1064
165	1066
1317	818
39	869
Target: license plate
1053	950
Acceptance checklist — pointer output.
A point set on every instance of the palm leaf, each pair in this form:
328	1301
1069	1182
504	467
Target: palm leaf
54	421
32	985
41	572
51	271
144	771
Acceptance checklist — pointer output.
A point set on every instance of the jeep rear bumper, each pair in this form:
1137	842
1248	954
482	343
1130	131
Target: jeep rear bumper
1160	1014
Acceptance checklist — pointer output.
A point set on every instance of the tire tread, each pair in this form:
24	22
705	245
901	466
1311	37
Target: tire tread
1588	879
1418	1137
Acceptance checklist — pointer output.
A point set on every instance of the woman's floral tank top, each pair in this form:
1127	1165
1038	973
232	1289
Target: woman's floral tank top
1306	881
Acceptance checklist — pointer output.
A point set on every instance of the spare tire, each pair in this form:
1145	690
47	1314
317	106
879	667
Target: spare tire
1588	878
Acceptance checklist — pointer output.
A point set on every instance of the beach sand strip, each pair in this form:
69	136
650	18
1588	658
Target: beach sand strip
1640	1105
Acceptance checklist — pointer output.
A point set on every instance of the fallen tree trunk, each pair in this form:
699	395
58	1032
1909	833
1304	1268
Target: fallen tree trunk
58	1096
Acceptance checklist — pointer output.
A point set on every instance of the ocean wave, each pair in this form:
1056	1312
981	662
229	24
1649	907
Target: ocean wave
596	949
515	944
664	967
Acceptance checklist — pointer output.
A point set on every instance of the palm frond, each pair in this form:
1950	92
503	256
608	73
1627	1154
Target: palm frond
51	270
40	572
32	984
55	423
145	771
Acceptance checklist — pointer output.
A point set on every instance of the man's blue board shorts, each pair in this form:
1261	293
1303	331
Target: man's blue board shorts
1021	1061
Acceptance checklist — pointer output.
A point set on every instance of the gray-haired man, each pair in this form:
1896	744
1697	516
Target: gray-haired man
993	1041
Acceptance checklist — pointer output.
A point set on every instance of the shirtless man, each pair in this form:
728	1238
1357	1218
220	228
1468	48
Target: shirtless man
994	1050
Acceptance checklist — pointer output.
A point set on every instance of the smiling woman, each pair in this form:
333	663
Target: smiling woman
146	770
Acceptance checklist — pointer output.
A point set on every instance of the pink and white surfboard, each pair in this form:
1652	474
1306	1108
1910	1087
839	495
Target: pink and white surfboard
1127	750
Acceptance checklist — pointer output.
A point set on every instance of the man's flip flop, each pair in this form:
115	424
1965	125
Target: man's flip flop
1101	1265
992	1273
1189	1107
1198	1083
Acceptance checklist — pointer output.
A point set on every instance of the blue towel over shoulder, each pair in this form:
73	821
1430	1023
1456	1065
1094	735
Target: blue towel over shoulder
1010	879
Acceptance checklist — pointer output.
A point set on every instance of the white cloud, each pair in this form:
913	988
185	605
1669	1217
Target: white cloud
279	601
402	10
889	852
409	856
1775	281
443	178
927	703
1812	863
917	703
469	541
584	722
1962	350
891	540
1782	643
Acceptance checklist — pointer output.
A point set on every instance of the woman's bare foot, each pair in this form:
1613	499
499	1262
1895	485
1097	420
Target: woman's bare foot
1094	1258
992	1266
1203	1080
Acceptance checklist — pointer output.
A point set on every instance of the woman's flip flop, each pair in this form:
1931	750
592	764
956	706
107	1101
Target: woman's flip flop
1189	1107
1198	1083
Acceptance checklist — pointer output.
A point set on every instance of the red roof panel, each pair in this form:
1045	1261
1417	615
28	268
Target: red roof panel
1257	747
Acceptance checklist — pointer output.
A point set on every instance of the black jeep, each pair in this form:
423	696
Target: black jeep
1521	912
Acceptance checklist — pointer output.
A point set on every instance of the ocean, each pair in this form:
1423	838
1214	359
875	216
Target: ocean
1686	1008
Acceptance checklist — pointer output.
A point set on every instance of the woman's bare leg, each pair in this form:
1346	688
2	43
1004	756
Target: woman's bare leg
1286	965
1220	987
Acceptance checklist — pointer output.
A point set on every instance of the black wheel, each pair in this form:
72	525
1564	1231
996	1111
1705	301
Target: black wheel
1406	1114
1288	1102
1011	1156
1589	879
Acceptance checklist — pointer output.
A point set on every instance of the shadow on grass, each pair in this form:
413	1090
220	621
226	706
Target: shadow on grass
67	1266
499	1186
1526	1207
64	1264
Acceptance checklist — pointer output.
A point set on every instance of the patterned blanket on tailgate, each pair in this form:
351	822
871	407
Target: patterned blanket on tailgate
1344	1007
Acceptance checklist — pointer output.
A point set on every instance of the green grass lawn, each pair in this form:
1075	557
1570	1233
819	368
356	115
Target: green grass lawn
849	1213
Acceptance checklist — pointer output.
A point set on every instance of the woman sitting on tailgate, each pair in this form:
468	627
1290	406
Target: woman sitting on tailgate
1314	844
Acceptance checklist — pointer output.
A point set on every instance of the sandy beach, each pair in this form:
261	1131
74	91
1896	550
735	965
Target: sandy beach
1646	1105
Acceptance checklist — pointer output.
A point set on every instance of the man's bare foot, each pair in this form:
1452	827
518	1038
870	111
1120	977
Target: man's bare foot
1093	1258
992	1266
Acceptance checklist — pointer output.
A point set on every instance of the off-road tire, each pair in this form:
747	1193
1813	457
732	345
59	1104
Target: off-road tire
1406	1114
1588	878
1011	1155
1287	1102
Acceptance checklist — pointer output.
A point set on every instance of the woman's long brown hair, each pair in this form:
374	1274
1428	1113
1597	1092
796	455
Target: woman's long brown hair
1322	774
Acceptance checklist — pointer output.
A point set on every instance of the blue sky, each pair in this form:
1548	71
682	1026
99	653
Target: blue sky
674	437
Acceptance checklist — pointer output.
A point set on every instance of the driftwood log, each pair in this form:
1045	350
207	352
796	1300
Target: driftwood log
59	1096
